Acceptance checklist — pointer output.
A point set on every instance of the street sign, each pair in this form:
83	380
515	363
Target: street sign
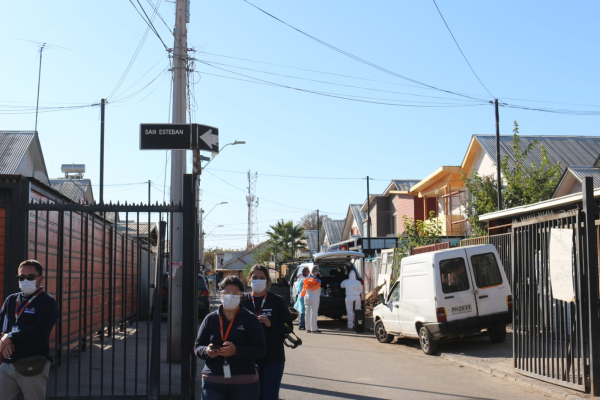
179	137
208	137
166	137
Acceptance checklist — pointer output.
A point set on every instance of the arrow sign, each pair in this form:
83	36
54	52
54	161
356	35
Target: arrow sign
208	138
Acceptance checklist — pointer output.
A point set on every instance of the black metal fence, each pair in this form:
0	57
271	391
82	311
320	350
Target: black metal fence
503	246
111	339
557	340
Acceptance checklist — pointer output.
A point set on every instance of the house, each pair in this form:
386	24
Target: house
142	231
566	150
78	190
354	222
312	241
331	232
385	211
569	151
234	262
443	191
571	180
21	154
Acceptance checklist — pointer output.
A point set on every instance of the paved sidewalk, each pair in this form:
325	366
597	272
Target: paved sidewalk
496	359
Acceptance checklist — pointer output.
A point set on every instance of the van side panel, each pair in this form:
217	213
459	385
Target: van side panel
417	297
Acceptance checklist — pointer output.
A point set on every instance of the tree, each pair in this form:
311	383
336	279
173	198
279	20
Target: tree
285	238
525	184
309	221
416	233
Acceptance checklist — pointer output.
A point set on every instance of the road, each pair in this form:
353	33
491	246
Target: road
341	364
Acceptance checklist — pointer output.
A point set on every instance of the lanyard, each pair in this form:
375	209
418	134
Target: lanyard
261	304
19	313
224	338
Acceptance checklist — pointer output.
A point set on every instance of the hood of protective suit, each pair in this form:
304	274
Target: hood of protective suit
352	275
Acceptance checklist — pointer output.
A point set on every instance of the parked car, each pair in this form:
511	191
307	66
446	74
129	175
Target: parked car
334	267
446	294
203	296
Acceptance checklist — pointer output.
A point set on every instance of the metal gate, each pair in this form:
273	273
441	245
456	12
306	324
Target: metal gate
109	279
554	339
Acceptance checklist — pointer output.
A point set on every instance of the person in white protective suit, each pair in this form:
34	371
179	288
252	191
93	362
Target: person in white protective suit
312	298
353	291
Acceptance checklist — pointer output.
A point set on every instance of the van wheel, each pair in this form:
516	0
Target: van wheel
381	334
428	345
498	335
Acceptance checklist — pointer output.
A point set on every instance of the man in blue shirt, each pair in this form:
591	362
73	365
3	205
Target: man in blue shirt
26	320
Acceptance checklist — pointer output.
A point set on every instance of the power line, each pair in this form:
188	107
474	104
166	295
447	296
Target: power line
359	59
333	83
337	95
461	52
148	22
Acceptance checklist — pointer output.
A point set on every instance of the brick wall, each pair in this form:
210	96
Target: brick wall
2	240
86	298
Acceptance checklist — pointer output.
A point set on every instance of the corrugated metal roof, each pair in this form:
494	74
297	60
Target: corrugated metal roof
359	216
311	240
72	188
13	146
333	229
405	185
132	228
568	150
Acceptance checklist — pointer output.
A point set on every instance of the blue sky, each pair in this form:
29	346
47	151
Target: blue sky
536	50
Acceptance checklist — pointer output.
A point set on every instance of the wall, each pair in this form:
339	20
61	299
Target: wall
91	294
2	240
384	214
404	204
373	209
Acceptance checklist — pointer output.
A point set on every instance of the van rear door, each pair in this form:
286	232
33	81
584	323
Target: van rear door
491	285
454	286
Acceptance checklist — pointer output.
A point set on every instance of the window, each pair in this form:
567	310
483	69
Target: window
454	276
486	271
395	293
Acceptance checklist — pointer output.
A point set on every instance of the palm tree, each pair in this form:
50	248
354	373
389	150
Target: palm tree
286	237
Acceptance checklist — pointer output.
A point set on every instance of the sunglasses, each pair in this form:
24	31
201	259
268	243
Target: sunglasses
30	277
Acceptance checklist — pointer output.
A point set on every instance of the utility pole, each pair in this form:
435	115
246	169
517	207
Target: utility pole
149	182
102	107
178	169
318	231
368	215
498	160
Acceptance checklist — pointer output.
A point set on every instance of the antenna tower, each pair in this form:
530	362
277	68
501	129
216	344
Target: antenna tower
252	201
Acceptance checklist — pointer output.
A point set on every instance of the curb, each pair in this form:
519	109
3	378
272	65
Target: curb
525	382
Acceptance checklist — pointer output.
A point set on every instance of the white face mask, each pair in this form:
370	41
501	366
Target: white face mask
28	287
230	301
258	285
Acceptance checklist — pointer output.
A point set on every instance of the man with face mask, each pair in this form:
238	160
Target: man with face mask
26	320
353	291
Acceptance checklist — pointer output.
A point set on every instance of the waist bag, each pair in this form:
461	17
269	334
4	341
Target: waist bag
31	366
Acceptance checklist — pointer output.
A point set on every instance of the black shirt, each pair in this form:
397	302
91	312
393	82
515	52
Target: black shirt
35	324
278	313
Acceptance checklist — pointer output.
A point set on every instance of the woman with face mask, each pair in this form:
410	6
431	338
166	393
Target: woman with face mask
299	305
276	321
230	340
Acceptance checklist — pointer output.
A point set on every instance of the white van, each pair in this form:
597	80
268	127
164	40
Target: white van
445	294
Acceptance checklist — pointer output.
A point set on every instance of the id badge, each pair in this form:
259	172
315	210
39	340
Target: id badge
226	370
15	328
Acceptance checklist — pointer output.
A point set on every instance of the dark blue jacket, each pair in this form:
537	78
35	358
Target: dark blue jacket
35	324
278	313
246	334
